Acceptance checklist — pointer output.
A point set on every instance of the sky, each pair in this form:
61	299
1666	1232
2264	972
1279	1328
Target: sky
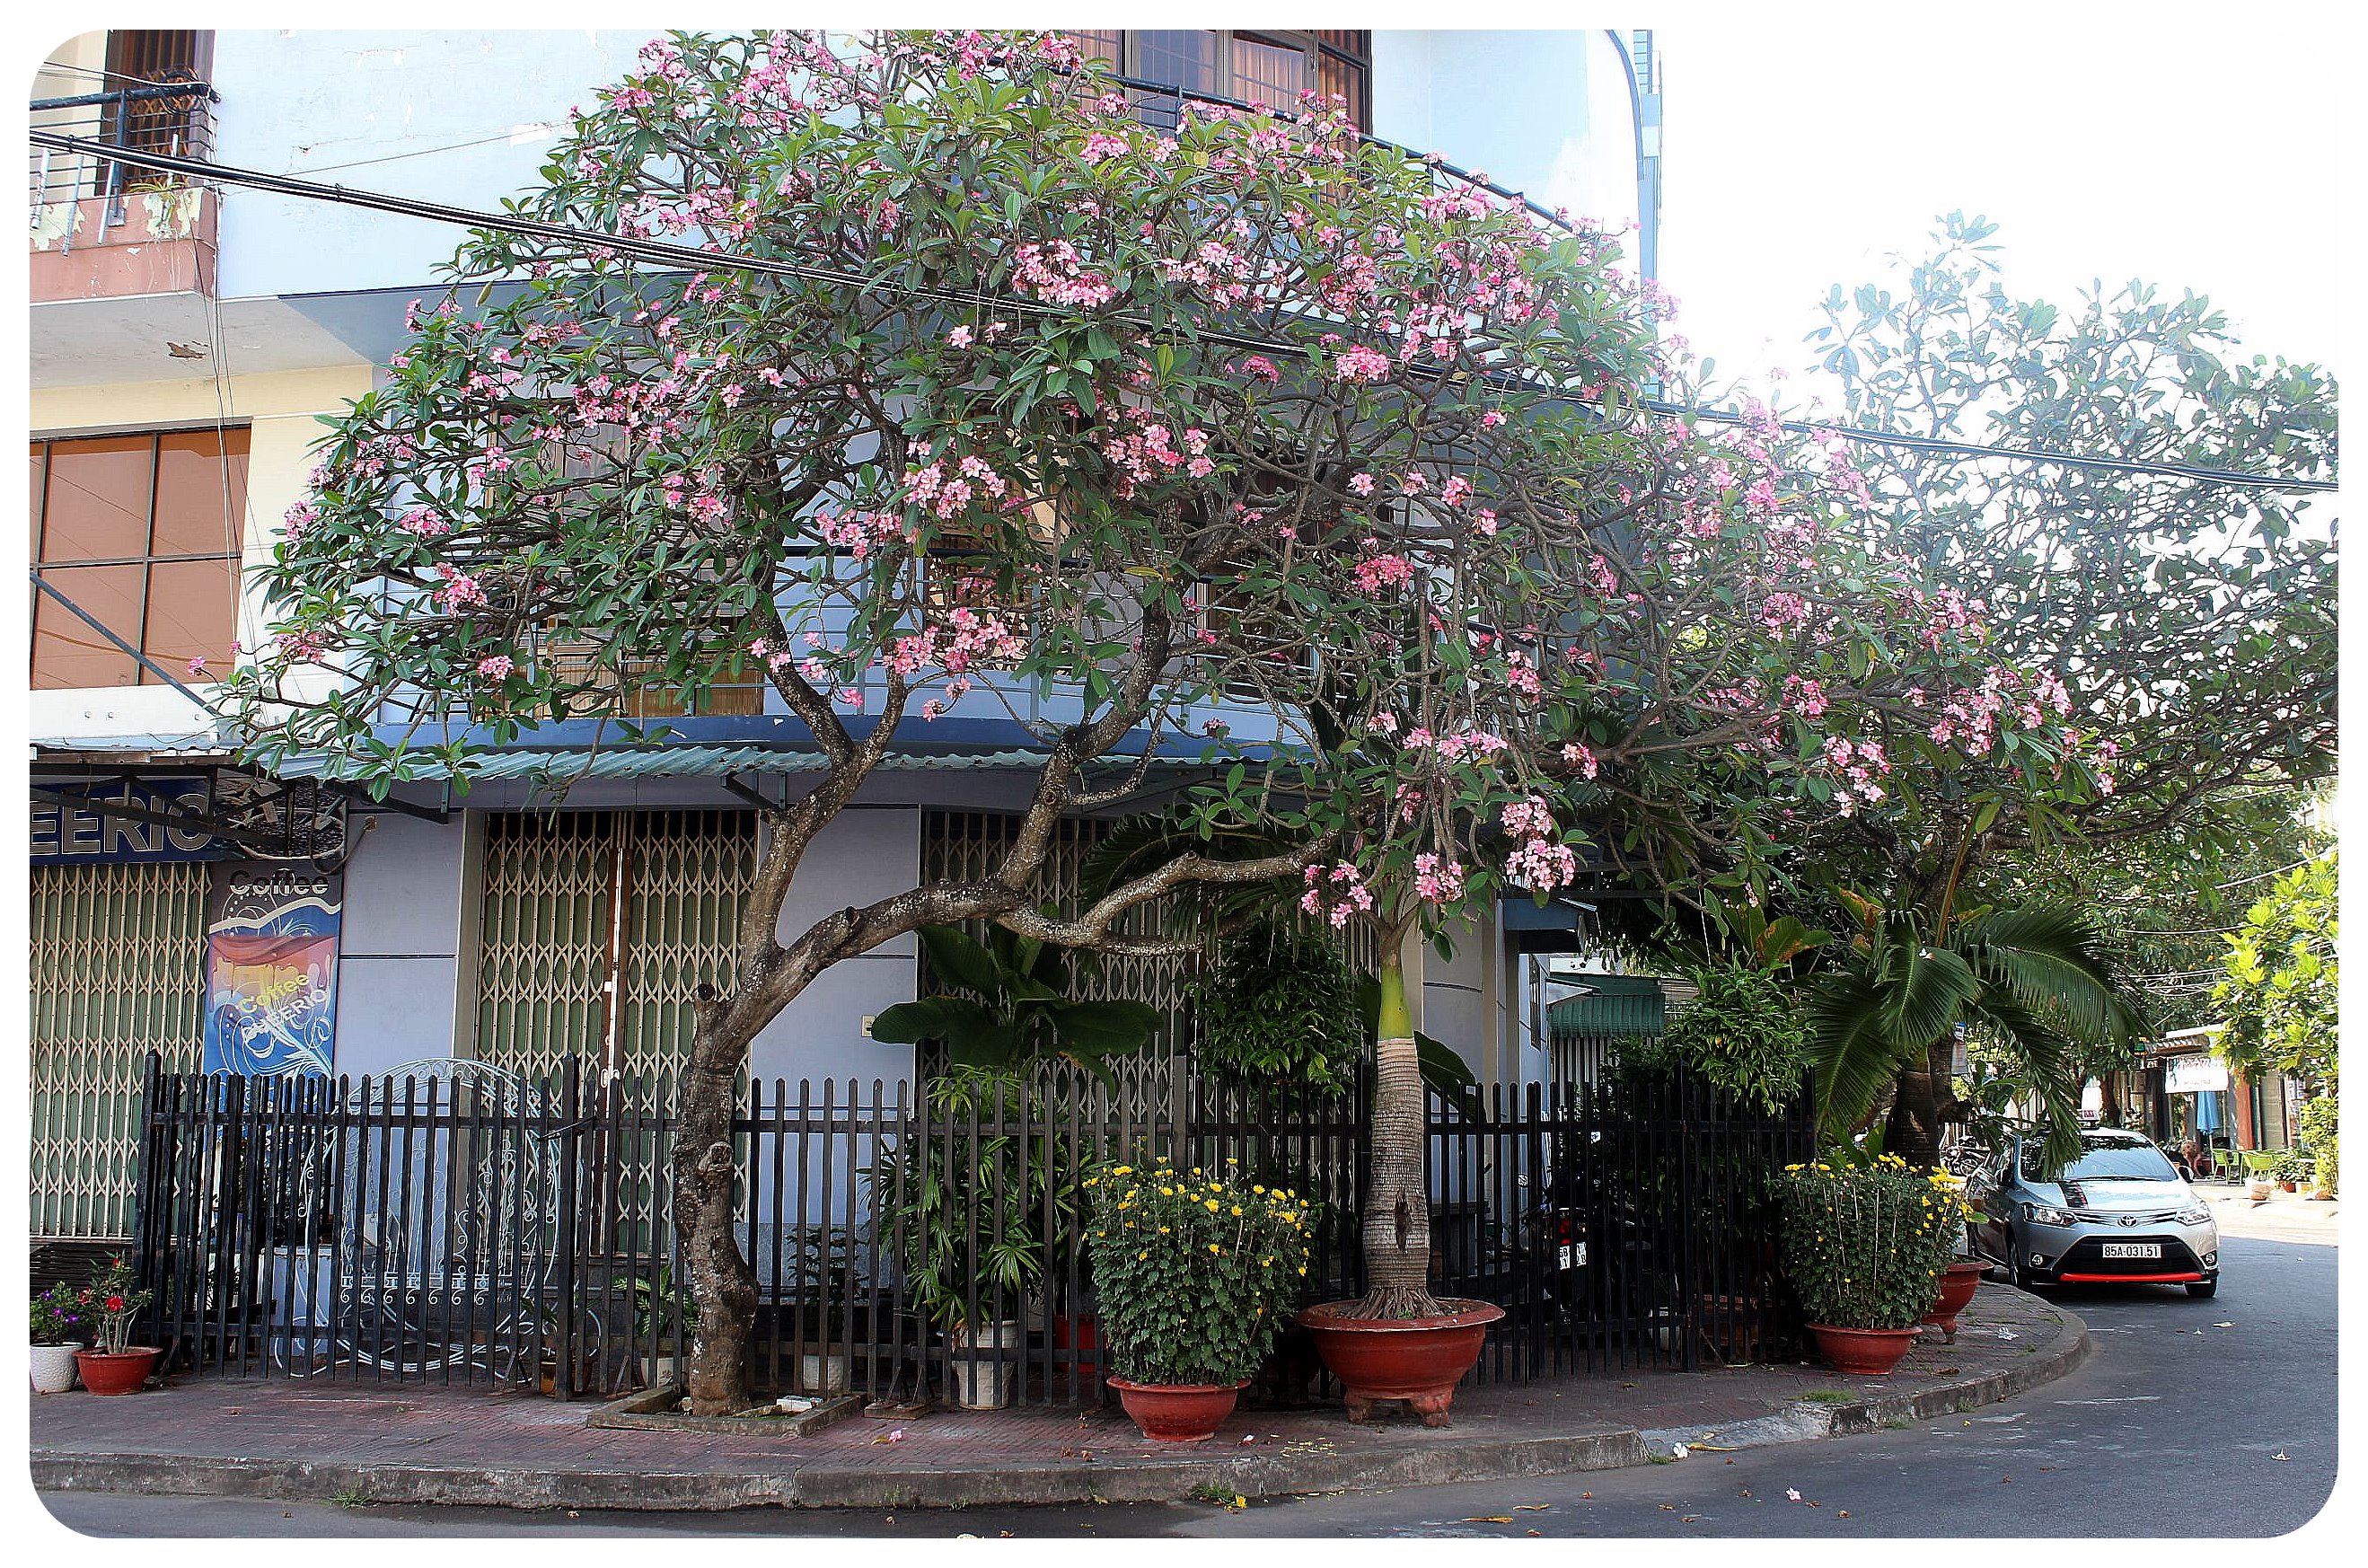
1802	154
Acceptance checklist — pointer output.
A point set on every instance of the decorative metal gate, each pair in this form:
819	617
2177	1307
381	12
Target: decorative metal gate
117	970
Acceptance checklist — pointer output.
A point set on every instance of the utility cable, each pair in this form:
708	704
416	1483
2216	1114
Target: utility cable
695	260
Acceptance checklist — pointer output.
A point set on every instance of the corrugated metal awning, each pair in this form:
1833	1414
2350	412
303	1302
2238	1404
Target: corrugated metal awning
698	762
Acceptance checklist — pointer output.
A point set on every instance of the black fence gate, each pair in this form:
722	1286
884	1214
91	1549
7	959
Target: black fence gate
454	1222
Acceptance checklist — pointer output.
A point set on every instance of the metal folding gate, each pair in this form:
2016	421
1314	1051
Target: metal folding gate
597	928
117	970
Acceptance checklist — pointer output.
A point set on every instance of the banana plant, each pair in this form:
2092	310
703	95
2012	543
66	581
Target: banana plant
1006	1004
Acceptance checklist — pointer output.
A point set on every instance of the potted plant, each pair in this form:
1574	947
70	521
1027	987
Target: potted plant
1861	1245
2293	1168
61	1317
1194	1272
969	1202
113	1364
967	1205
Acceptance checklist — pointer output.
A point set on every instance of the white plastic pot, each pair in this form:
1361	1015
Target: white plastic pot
978	1382
53	1367
822	1374
983	1363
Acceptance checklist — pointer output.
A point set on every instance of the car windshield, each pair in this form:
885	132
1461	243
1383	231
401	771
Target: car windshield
2114	1160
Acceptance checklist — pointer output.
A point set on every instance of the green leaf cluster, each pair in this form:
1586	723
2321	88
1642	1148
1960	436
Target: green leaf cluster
1011	1008
1744	1036
1194	1270
2279	993
1280	1006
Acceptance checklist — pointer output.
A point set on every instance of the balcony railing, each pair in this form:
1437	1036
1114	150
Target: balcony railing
174	118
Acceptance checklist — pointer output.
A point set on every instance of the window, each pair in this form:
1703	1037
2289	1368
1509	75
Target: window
1272	68
176	125
142	532
637	688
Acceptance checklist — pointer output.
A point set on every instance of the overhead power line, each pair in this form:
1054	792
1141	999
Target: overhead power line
691	257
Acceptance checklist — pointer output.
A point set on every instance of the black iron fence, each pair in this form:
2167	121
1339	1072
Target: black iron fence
466	1225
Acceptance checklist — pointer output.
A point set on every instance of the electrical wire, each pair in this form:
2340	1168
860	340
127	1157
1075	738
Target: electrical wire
694	259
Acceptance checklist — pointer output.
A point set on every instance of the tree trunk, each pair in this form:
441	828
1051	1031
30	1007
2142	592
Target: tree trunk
1922	1100
1398	1210
722	1281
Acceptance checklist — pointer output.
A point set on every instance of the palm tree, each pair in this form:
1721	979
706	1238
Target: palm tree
2036	981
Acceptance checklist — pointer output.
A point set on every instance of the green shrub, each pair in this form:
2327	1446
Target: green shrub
1864	1245
2316	1129
1743	1035
1281	1005
1193	1272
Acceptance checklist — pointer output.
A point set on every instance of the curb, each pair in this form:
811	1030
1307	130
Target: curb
1159	1480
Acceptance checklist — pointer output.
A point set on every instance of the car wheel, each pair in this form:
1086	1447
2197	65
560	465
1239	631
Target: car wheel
2204	1289
2015	1274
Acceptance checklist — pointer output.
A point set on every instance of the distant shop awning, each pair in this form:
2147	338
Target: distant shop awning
1608	1005
1556	927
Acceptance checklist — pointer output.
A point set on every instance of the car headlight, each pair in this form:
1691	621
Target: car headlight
2194	1214
2048	1215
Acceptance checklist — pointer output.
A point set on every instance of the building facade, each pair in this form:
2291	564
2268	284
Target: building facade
186	341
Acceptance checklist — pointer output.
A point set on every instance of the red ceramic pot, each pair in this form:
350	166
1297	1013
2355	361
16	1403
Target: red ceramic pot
1178	1413
126	1373
1419	1361
1957	1284
1872	1351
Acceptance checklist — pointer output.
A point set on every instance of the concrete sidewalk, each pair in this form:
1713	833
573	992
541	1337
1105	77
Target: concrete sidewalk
388	1443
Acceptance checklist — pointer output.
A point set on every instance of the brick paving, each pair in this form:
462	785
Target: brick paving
200	1427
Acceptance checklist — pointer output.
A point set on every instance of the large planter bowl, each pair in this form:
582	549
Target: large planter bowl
1957	1284
53	1367
1419	1361
1178	1413
1871	1352
126	1373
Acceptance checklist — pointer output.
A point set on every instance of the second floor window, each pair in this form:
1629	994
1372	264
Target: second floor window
142	532
1272	68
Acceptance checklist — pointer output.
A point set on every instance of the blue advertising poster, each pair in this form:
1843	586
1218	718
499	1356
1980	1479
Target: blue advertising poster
271	970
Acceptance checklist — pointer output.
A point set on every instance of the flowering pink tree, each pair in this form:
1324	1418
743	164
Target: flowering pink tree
994	390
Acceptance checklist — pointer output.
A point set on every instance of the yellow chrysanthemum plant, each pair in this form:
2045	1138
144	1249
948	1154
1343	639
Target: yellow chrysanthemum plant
1195	1270
1863	1244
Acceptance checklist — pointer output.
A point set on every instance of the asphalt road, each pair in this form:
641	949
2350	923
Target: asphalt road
2193	1419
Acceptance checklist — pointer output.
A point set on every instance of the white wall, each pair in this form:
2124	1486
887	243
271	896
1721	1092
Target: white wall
862	856
1547	114
298	101
409	916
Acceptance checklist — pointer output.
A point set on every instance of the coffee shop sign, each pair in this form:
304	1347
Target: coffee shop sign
82	834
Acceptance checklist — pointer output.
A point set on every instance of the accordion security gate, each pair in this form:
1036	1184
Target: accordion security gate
481	1228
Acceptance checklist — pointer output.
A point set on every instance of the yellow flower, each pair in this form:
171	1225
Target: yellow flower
1124	1170
1213	1247
1211	1204
1255	1187
1237	1211
1141	1256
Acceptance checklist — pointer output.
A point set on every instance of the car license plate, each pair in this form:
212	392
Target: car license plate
2132	1249
1573	1254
